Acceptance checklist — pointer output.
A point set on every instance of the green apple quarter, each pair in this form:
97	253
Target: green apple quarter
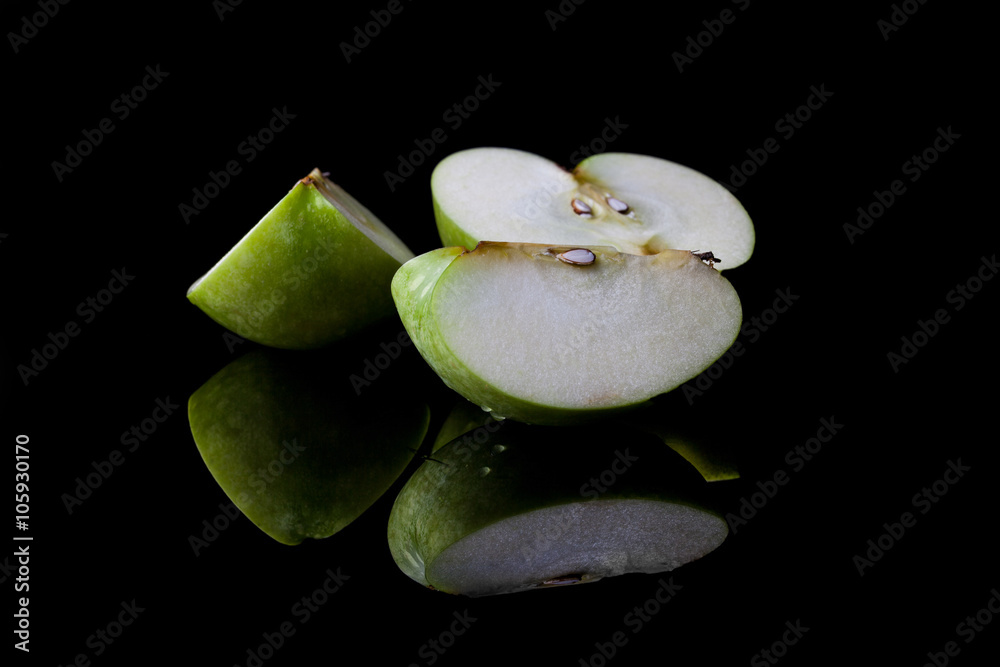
314	270
638	204
554	335
295	448
542	507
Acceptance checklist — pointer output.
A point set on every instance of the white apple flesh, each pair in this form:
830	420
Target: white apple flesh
551	335
635	203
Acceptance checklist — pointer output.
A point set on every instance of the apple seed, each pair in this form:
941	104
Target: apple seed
617	204
580	208
580	256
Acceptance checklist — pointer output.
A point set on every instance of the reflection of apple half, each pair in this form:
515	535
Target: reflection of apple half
299	452
540	507
314	270
549	335
635	203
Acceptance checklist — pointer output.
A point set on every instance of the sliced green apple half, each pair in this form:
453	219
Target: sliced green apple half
298	451
314	270
550	335
540	507
636	203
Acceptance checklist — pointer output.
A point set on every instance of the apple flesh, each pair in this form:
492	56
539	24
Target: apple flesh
298	451
540	507
314	270
553	335
636	203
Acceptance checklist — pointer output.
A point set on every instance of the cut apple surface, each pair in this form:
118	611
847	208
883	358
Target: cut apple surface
553	334
635	203
314	270
541	507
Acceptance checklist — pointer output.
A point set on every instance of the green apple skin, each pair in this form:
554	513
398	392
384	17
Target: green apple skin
451	233
297	450
465	487
413	289
305	276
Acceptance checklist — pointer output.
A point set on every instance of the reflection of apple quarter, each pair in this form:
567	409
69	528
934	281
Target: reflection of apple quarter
556	506
300	456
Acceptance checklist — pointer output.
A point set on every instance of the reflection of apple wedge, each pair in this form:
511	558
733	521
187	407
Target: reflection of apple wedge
635	203
550	335
464	418
315	269
714	461
538	507
295	448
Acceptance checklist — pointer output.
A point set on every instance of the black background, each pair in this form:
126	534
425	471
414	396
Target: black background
825	358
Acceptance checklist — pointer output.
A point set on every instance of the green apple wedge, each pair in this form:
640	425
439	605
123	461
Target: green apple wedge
555	335
540	507
638	204
295	448
314	270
